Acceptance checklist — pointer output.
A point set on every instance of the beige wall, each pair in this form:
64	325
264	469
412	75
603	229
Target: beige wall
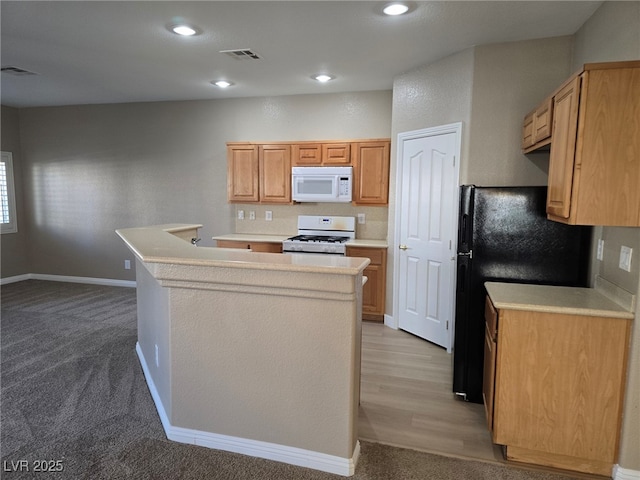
92	169
509	80
611	34
13	246
489	89
429	96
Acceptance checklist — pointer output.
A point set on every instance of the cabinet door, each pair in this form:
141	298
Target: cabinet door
374	291
542	121
371	173
489	367
527	131
336	154
275	173
306	154
242	173
489	376
563	149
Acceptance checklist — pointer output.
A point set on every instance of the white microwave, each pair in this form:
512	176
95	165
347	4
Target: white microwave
321	184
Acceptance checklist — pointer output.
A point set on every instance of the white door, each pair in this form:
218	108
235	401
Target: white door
426	226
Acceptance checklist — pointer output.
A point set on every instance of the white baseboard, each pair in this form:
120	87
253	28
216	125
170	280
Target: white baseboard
255	448
620	473
390	322
63	278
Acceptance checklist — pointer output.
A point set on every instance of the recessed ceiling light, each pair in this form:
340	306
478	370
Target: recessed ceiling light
323	77
222	83
396	8
184	30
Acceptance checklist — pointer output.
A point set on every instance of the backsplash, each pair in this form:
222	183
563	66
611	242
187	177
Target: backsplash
285	218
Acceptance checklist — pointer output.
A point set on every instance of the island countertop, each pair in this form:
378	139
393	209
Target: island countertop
555	299
159	244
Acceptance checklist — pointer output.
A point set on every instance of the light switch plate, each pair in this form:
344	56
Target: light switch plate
625	258
362	219
600	254
268	215
240	214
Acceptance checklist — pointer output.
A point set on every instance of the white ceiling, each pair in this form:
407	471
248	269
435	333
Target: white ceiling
116	52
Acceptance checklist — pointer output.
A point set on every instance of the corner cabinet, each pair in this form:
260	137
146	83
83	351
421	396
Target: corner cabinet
374	291
594	161
554	386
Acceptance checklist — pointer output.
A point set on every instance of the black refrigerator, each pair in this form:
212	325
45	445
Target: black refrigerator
504	236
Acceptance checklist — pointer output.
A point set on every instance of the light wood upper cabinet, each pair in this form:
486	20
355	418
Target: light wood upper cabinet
243	173
536	129
261	172
527	132
371	173
336	154
275	173
557	394
258	173
594	162
561	159
308	154
317	154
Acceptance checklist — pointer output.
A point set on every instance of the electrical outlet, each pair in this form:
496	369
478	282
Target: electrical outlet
127	264
240	214
362	219
625	258
268	215
600	254
252	215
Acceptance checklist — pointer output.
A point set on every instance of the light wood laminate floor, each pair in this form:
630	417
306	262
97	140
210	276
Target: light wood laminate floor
406	398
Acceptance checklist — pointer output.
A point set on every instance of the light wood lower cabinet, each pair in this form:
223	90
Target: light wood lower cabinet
268	247
557	395
374	291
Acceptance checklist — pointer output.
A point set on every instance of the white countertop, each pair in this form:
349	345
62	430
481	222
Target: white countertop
553	299
251	237
157	244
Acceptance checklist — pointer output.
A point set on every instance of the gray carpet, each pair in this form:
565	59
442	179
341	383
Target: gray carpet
73	391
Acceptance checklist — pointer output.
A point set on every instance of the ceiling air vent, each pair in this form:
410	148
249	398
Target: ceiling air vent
242	54
20	72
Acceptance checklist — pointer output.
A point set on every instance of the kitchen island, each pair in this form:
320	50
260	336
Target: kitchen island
254	353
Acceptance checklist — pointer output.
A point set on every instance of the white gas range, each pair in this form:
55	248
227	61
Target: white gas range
321	234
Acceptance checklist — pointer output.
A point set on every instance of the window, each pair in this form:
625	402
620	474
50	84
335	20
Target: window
7	194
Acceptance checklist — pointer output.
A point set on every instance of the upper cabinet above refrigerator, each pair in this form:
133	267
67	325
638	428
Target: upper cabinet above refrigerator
594	162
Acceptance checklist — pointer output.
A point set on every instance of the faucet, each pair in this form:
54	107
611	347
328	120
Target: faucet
194	241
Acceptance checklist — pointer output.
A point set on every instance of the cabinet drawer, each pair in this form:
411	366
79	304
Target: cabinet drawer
336	153
491	318
373	254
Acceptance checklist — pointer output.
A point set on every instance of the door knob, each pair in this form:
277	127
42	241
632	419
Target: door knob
403	247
